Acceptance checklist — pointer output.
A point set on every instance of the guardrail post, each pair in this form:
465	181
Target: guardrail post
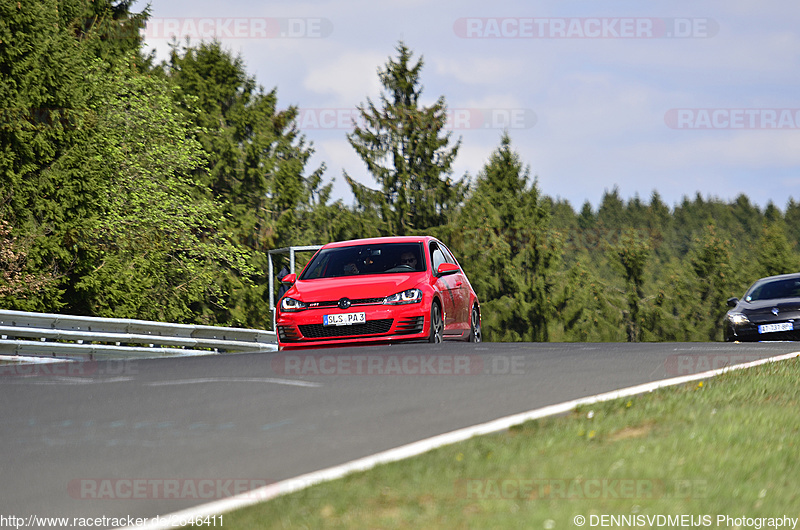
286	250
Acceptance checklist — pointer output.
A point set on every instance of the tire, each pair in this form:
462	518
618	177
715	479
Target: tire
475	333
437	326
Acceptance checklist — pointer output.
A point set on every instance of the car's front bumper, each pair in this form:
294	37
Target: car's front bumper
749	333
305	329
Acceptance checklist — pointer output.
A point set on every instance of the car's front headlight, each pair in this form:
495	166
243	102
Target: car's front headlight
409	296
290	304
738	319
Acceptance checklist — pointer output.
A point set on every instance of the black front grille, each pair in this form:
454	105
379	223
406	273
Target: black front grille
370	327
409	326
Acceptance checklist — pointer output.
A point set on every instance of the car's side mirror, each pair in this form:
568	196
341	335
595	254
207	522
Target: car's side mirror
447	268
289	278
733	301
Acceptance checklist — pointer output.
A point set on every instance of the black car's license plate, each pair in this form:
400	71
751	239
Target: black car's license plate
772	328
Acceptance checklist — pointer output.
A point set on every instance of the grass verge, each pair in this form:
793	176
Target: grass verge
727	446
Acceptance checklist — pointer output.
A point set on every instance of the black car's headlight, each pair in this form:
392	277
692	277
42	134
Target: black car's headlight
738	318
409	296
290	304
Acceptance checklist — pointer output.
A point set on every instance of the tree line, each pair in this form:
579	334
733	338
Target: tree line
136	189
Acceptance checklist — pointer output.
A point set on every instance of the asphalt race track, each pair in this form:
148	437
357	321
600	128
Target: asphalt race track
150	437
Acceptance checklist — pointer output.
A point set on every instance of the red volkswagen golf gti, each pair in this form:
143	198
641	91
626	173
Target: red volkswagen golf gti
384	289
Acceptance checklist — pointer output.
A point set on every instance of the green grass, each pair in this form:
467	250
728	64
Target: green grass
728	445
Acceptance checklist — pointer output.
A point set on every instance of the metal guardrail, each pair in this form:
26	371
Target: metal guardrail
46	334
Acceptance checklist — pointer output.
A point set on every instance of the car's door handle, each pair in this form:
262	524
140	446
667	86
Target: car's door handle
458	284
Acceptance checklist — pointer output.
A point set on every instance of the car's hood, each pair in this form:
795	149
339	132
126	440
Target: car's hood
354	287
787	308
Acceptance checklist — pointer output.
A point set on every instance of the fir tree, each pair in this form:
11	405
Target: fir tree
256	155
508	250
776	254
406	152
153	247
257	168
709	284
630	255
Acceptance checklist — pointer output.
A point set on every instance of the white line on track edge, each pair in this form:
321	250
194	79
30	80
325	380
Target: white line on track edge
291	485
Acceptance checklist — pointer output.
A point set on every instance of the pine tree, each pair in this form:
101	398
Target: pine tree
776	254
748	218
586	306
153	247
45	112
611	215
711	277
586	219
107	29
94	161
406	152
257	168
630	255
792	220
658	222
508	249
256	155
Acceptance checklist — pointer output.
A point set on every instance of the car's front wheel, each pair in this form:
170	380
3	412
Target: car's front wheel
437	326
475	333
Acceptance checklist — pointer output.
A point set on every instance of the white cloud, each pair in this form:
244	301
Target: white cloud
600	104
480	70
348	79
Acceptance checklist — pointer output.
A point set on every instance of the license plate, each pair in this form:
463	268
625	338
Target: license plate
344	319
771	328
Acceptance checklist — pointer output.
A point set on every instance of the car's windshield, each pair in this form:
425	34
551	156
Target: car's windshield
769	290
384	258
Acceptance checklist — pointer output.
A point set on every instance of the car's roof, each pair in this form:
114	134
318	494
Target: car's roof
792	275
379	240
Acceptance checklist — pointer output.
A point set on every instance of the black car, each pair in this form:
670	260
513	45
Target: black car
769	310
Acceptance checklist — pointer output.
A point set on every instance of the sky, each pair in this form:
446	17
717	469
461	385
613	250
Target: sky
679	97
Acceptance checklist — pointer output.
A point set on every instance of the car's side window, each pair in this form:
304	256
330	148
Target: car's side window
448	255
437	256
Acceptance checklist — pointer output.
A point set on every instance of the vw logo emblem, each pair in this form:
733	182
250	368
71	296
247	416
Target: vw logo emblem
775	311
344	303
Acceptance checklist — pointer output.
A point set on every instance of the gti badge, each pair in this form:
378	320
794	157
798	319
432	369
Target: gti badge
344	303
775	311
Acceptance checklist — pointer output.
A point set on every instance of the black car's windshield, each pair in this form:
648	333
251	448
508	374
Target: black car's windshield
770	290
384	258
